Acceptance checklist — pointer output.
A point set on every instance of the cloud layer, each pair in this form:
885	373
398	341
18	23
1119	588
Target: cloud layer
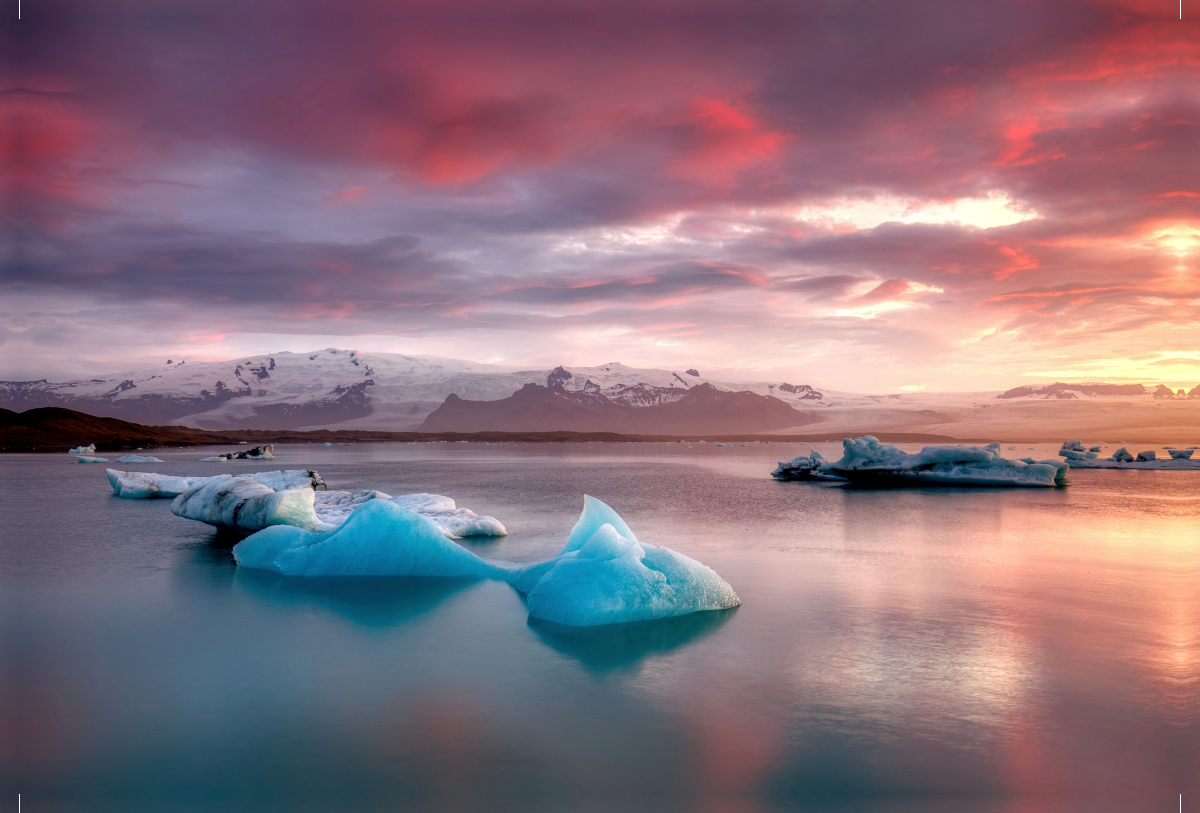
867	195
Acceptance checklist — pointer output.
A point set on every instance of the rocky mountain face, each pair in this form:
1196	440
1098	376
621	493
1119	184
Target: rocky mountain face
639	409
347	389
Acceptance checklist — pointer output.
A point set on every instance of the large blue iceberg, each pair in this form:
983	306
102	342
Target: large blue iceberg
603	575
380	538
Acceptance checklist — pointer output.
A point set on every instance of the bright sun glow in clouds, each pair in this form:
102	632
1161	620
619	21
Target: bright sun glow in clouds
995	209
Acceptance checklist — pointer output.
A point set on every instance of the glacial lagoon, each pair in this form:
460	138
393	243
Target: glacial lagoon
916	649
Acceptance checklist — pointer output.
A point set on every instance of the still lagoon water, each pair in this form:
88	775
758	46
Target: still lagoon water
897	650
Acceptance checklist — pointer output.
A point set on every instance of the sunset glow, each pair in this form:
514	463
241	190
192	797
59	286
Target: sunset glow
860	196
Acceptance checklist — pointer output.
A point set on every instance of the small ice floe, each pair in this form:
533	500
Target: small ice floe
326	443
604	575
257	453
137	458
84	450
867	460
1122	458
804	468
145	485
91	459
1072	450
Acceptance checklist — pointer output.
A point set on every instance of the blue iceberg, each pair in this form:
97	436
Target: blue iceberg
604	575
378	539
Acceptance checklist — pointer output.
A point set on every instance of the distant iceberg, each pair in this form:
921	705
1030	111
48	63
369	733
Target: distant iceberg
1148	460
867	460
89	449
137	458
90	459
257	453
807	467
604	575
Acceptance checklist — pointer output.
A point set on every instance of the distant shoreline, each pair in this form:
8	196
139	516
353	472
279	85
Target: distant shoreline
53	430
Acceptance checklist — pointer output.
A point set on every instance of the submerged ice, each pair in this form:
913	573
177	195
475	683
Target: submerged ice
868	459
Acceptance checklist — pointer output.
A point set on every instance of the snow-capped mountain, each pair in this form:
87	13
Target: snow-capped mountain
349	389
1070	392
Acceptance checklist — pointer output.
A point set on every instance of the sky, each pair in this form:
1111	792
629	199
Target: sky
865	195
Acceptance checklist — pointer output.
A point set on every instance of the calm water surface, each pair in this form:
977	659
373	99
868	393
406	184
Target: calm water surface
897	650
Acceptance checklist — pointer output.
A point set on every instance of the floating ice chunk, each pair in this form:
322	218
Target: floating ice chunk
1180	454
1094	449
225	502
803	468
239	504
137	458
89	449
604	575
333	507
326	443
142	485
378	539
866	459
90	459
1071	454
1145	457
1122	455
1071	446
257	453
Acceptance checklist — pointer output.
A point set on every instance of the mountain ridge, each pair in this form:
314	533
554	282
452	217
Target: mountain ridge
702	409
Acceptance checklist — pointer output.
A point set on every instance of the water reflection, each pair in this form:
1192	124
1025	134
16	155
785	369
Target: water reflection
370	601
624	646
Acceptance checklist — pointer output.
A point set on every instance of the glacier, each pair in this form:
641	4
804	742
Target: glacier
868	460
604	575
380	538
